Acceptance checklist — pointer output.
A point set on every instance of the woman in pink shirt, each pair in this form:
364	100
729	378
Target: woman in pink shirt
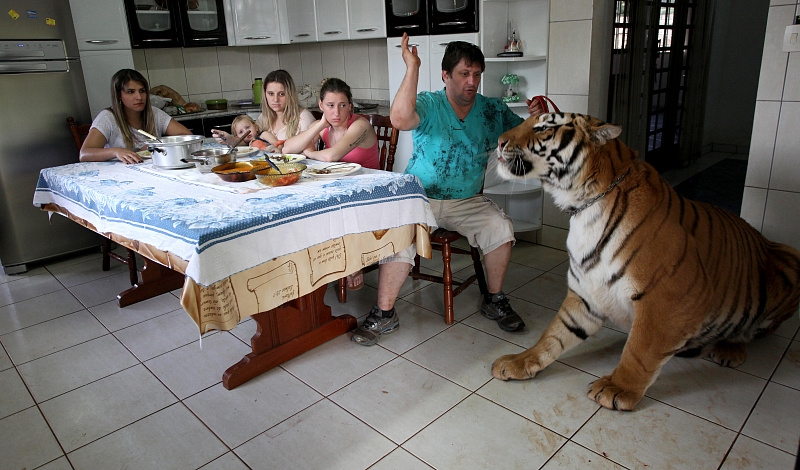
348	137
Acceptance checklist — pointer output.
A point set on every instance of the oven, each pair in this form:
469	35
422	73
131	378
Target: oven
452	16
406	16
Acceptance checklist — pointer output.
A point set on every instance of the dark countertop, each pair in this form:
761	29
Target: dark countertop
383	108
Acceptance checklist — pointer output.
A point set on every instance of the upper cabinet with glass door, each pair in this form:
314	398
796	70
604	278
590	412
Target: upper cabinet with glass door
257	22
176	23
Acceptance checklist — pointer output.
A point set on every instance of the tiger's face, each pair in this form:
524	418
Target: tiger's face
553	148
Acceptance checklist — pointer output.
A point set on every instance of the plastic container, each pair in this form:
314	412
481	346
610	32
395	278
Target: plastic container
257	91
217	104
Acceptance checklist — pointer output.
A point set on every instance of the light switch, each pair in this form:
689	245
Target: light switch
791	38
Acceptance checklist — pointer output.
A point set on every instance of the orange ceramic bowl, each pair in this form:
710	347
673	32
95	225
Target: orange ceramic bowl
290	174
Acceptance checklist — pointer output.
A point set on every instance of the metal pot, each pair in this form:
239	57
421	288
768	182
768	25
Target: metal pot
170	152
207	159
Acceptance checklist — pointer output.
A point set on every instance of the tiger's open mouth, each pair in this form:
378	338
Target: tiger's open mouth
513	160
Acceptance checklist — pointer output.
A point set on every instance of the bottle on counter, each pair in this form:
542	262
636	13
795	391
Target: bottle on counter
257	85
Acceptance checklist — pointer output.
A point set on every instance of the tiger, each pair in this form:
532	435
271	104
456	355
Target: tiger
681	277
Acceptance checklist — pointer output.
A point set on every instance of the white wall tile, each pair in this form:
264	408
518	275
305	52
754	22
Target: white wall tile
356	62
378	65
165	67
781	218
786	162
552	215
791	89
568	10
202	70
263	60
234	68
754	201
570	103
774	60
568	58
333	64
311	55
140	63
782	2
553	237
380	94
762	145
291	61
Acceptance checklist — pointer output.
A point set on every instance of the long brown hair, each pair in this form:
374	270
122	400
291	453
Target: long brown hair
291	115
118	82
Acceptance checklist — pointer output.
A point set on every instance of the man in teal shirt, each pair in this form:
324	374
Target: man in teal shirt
455	131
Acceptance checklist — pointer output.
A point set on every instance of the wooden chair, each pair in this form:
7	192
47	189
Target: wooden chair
442	240
387	145
79	133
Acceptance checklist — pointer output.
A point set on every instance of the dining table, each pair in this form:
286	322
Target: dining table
246	250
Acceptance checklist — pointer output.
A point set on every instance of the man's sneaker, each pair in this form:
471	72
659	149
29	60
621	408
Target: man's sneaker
375	325
496	307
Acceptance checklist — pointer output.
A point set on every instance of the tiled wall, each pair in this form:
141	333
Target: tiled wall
772	186
204	73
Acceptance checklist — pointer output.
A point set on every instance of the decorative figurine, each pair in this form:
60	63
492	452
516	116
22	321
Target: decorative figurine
511	80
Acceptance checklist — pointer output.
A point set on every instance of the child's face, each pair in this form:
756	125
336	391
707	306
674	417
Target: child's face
243	129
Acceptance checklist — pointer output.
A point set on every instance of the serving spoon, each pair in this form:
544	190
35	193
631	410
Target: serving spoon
149	136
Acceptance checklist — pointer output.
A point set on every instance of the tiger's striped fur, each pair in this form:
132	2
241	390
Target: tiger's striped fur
681	276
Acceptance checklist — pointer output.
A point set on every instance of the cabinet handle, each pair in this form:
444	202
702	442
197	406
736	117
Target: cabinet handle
366	30
332	32
407	26
452	23
204	39
302	35
410	45
157	40
102	41
258	37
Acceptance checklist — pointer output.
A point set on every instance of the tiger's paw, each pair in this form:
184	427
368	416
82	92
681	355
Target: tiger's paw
514	366
728	354
610	396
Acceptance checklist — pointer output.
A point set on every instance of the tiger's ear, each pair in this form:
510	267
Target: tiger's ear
604	132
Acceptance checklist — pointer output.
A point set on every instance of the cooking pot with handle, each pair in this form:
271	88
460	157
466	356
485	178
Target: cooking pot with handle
169	153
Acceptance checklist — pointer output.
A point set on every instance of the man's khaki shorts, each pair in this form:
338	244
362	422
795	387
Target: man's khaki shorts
478	219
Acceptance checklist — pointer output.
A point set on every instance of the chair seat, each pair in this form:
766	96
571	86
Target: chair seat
442	240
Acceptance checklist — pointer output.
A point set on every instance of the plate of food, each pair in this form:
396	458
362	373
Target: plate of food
245	151
332	170
285	157
145	154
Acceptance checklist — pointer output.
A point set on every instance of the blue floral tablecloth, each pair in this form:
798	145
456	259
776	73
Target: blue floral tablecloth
222	229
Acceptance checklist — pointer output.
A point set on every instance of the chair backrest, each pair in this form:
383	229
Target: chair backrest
387	139
79	133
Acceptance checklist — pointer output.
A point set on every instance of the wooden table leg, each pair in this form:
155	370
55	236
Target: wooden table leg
287	332
157	279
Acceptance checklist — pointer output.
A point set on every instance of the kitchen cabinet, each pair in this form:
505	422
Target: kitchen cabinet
530	20
302	19
176	23
100	25
257	22
367	19
98	68
332	21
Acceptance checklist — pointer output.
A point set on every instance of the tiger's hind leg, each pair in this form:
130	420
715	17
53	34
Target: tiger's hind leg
729	354
573	324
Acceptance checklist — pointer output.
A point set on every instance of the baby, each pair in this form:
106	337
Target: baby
244	125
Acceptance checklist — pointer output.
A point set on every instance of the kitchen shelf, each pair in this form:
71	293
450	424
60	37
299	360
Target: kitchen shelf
516	59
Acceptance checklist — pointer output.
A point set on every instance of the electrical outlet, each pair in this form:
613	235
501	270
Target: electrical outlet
791	38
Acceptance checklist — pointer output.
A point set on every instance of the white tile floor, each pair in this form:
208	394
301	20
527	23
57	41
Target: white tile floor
87	385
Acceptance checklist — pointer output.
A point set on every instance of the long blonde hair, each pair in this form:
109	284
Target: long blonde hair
118	82
291	115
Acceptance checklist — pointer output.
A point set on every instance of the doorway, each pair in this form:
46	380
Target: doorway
658	77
